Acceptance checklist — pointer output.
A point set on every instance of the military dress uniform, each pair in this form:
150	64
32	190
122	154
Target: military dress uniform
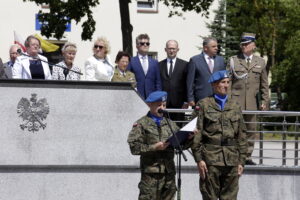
222	145
128	76
249	83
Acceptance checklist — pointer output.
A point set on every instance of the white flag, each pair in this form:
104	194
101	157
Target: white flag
19	40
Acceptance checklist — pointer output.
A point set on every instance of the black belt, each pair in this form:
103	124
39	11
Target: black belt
223	142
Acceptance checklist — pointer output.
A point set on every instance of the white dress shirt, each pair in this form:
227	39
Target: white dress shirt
169	64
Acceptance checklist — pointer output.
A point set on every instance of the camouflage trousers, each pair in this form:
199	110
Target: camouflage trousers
157	186
251	135
221	182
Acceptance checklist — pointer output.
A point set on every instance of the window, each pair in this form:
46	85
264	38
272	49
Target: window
152	54
147	6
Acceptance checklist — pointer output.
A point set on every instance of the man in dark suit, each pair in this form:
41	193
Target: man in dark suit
145	69
13	54
200	68
173	72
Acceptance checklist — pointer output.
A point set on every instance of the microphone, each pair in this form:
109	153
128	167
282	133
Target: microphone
21	52
162	111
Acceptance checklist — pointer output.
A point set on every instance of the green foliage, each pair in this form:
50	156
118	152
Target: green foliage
199	6
277	25
62	12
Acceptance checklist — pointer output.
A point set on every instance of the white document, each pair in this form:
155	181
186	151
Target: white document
190	127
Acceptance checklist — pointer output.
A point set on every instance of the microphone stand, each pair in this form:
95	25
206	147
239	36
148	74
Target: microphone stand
49	63
179	152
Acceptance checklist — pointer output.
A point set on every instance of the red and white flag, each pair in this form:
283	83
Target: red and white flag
19	40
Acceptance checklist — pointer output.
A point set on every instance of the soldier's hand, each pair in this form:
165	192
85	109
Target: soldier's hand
161	145
240	170
192	103
202	169
263	107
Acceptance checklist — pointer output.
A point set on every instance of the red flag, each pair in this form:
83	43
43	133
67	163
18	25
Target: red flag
19	40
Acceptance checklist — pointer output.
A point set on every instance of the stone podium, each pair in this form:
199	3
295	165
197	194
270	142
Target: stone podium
67	140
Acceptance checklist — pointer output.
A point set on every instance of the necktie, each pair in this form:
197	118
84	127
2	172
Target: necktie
248	62
210	64
171	68
144	64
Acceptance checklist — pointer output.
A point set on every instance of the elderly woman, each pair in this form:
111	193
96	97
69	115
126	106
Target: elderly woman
31	65
121	73
98	67
69	52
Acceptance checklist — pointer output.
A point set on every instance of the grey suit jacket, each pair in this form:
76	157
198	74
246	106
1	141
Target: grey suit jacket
198	75
7	70
2	71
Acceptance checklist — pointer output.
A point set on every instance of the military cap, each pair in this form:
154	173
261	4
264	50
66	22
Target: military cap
157	96
219	75
247	37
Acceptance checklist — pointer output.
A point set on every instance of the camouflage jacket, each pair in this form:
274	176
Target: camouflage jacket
141	138
221	140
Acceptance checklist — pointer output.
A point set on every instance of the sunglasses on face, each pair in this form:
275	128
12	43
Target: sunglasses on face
144	43
98	46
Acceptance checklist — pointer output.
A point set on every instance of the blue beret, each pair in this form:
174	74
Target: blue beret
219	75
247	37
157	96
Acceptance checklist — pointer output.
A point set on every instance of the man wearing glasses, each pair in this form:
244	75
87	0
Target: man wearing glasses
249	85
145	69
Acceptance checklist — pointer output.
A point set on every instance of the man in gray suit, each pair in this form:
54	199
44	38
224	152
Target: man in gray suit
2	72
13	54
200	68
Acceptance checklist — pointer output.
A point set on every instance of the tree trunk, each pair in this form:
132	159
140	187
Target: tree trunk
126	26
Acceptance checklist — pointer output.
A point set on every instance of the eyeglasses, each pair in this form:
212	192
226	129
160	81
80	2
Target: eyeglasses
98	46
144	43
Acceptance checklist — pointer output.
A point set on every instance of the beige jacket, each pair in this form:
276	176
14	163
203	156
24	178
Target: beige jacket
252	91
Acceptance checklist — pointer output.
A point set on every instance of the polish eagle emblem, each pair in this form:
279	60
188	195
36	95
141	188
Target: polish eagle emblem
33	112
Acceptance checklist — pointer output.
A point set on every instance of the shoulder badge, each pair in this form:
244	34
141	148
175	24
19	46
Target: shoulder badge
33	112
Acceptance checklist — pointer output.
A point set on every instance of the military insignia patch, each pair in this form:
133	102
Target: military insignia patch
33	112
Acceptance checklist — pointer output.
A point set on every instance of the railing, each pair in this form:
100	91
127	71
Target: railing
278	136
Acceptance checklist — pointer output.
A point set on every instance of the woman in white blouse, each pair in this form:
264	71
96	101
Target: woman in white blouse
69	52
31	65
99	67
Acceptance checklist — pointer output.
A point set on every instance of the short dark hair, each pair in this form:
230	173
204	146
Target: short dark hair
30	37
207	40
120	55
142	36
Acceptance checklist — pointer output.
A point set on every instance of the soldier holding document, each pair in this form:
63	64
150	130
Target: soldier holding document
148	138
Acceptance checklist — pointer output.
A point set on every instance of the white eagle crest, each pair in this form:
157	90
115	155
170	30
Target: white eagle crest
33	113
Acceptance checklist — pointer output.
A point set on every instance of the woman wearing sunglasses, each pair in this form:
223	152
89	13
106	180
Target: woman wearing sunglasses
98	67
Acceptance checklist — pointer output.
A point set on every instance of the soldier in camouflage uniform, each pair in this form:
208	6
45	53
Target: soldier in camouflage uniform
148	139
220	147
249	85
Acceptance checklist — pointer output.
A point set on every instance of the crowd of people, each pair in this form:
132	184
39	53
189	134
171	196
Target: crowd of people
217	91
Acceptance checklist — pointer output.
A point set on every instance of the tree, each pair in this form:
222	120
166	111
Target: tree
63	11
